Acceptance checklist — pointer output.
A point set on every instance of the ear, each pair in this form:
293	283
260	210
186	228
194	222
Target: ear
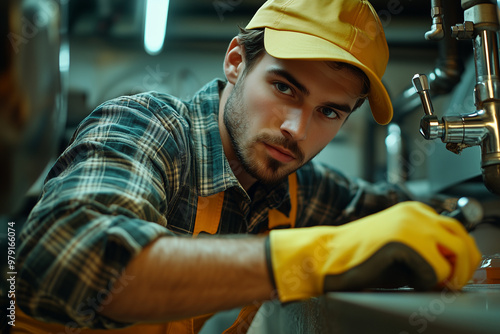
234	61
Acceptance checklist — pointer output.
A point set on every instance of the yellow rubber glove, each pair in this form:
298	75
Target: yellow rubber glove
407	244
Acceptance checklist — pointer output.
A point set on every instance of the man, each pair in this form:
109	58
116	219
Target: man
99	249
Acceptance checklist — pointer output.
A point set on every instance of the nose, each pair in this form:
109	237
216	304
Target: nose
296	124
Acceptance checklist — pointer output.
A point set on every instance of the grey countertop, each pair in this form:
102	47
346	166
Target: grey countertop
475	309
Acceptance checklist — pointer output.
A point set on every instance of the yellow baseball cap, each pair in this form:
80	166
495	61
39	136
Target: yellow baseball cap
347	31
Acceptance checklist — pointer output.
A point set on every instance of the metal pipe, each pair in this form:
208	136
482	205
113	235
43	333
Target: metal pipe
480	127
437	32
444	77
32	91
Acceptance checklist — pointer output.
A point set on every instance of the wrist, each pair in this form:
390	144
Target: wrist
296	257
269	265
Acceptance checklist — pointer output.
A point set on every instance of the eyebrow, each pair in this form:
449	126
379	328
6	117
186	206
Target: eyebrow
342	107
288	76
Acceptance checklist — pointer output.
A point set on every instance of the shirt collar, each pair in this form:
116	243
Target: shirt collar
213	171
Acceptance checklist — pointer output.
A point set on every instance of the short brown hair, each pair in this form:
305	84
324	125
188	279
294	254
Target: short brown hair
252	41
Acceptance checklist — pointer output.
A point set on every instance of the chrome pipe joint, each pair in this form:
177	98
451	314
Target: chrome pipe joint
481	126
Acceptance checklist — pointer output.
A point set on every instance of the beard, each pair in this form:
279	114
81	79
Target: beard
267	170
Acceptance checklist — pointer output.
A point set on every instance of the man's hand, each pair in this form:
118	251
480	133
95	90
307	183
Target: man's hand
407	244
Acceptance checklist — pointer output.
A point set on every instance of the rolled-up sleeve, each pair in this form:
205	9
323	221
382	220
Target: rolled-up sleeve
104	200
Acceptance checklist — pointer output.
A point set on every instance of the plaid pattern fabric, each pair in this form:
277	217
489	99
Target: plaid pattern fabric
133	172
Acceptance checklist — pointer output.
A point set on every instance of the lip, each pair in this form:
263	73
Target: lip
279	153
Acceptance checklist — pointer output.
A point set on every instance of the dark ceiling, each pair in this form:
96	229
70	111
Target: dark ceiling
216	20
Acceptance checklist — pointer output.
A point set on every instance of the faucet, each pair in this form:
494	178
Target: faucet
481	126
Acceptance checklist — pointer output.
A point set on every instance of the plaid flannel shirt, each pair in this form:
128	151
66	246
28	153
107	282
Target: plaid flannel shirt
132	173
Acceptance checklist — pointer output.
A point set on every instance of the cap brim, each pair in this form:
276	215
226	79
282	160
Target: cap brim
294	45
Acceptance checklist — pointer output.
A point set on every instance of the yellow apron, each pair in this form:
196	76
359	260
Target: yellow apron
207	220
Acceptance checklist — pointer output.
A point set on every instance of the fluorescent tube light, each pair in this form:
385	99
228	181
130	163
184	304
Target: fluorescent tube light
155	25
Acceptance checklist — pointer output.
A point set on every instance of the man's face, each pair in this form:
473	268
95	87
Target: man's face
282	113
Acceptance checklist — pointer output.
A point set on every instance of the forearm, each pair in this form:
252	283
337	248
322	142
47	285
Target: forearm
180	277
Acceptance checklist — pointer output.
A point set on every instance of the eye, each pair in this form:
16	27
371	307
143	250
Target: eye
283	88
329	113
